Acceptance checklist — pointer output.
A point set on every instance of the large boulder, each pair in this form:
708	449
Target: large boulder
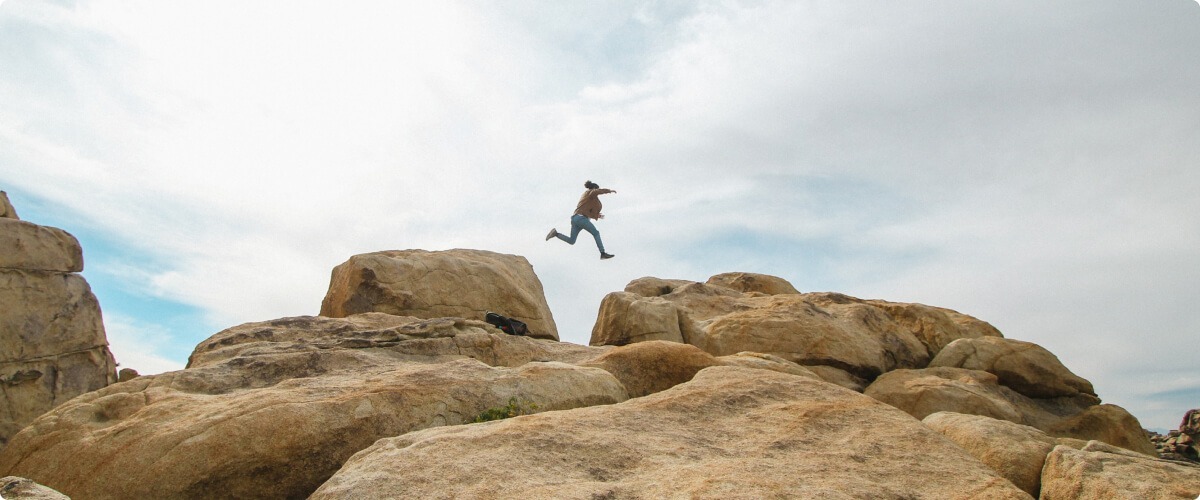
52	341
936	327
1016	451
33	247
649	367
975	392
452	283
729	432
753	282
1022	366
1100	471
1106	423
274	408
921	393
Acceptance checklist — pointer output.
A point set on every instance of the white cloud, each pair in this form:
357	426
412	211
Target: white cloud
136	344
1030	164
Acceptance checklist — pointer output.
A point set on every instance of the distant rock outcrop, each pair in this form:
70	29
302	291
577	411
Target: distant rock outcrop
52	341
452	283
1182	444
730	432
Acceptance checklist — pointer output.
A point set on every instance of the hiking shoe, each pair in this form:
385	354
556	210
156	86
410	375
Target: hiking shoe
551	234
604	256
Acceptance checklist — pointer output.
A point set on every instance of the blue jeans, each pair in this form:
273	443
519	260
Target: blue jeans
582	223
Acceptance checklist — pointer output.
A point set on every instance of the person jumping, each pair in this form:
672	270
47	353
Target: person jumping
587	210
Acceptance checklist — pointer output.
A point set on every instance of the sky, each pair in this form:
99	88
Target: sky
1033	164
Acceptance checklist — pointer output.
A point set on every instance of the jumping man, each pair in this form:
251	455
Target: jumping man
587	210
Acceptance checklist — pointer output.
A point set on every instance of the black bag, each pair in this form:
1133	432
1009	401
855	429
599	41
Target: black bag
506	324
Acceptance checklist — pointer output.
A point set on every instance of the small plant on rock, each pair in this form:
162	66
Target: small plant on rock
514	408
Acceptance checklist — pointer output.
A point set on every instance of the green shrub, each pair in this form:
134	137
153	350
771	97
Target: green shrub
512	409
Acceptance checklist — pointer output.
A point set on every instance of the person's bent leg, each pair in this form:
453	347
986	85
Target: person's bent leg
591	228
575	227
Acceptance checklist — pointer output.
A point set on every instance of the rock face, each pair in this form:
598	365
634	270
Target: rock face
1016	451
1100	471
452	283
52	341
1021	366
274	408
975	392
729	432
738	312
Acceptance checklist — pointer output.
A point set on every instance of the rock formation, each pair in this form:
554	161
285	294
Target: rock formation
729	432
278	406
736	312
52	342
453	283
1182	444
738	387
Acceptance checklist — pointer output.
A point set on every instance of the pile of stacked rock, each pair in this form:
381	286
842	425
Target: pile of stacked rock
1180	444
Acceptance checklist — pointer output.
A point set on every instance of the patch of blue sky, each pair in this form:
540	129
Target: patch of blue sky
118	274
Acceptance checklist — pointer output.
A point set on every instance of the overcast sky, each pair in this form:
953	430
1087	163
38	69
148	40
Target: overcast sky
1034	164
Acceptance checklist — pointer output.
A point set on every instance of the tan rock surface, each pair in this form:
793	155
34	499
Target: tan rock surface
28	246
736	312
6	209
627	318
1023	366
649	367
45	314
729	432
52	341
921	393
1098	471
452	283
205	432
936	327
1016	451
19	488
1107	423
808	329
974	392
768	362
404	338
752	282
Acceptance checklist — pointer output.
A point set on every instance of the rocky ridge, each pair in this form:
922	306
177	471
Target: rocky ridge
737	387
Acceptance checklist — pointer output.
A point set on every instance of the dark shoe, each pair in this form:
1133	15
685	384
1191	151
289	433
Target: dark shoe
551	234
604	256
